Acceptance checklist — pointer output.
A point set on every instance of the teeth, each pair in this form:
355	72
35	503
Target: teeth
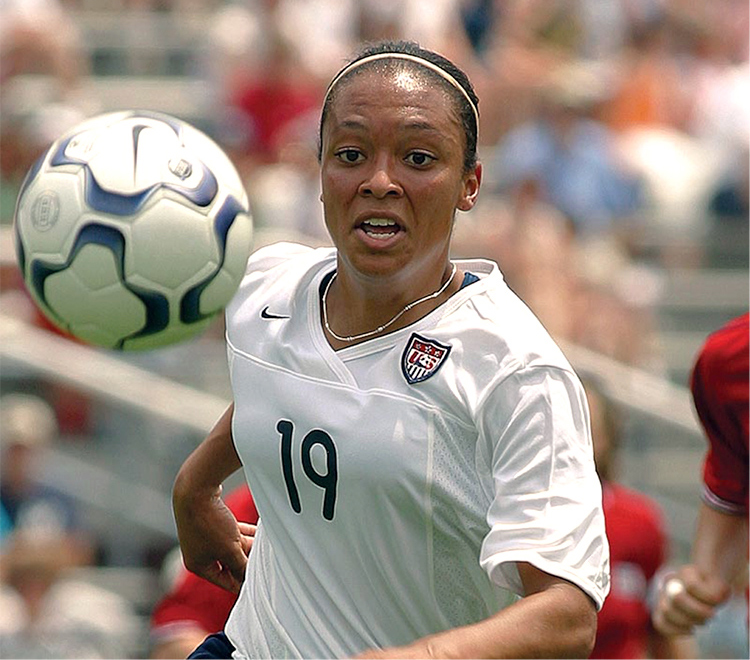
381	236
380	222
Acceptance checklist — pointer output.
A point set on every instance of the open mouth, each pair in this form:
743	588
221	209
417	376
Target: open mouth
380	228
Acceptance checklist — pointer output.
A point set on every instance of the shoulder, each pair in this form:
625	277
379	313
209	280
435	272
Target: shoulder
726	349
498	332
283	254
277	271
500	351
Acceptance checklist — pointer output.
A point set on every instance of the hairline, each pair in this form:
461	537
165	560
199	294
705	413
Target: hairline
440	71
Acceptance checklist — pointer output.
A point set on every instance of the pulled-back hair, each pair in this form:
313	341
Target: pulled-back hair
454	81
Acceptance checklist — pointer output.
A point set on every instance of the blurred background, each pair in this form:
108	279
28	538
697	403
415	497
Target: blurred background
614	137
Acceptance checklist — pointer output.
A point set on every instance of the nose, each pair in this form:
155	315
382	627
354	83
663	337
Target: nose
380	182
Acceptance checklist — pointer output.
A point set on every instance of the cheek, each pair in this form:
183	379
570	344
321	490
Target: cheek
440	196
336	189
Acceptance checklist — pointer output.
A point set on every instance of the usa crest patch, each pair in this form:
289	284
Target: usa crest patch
422	358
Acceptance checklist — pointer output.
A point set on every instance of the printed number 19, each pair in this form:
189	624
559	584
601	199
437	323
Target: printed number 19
327	481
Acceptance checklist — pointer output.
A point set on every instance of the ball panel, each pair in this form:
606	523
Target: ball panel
48	213
217	293
170	234
90	296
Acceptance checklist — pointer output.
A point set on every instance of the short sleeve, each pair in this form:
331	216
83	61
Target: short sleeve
719	385
546	507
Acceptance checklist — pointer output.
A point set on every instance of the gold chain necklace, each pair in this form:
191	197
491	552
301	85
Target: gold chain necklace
380	328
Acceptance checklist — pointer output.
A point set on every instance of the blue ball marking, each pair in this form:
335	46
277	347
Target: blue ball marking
30	176
60	158
20	251
204	194
173	123
157	306
99	199
225	217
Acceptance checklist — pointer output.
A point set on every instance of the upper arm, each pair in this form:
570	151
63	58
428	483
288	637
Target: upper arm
212	461
536	581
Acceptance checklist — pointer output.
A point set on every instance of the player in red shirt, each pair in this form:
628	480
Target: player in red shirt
721	394
195	608
638	546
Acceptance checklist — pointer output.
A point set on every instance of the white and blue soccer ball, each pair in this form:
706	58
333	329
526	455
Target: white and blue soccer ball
133	231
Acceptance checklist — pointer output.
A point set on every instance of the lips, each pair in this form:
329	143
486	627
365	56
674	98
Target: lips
380	228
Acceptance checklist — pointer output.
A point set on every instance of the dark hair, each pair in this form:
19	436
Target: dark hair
465	110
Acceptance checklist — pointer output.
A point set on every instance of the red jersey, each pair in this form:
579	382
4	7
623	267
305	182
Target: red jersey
637	547
194	601
720	387
270	105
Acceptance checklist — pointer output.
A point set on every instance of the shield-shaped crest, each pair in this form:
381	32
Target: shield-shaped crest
422	358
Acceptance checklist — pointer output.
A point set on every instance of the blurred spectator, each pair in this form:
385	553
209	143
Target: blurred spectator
650	89
680	107
28	427
731	199
272	98
322	30
38	36
479	22
716	62
679	174
571	155
5	525
638	545
193	608
47	612
266	117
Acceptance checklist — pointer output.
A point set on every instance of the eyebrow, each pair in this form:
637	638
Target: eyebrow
421	125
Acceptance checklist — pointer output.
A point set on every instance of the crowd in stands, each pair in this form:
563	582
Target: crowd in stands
615	138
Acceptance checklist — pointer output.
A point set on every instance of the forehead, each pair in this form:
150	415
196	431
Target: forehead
395	92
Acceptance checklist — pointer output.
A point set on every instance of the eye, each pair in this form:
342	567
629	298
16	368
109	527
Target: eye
349	155
419	158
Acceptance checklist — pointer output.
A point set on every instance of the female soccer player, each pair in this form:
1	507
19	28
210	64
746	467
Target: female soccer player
416	444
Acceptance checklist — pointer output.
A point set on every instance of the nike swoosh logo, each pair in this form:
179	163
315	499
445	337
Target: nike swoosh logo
265	314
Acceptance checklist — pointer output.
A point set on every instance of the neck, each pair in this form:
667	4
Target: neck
351	315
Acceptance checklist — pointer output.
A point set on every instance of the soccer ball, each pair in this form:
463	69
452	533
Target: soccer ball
133	231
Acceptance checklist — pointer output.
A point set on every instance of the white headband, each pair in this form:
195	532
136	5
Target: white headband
412	58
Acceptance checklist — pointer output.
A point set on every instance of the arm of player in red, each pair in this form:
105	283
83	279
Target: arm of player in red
690	597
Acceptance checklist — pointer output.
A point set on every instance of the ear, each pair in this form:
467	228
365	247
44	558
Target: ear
471	184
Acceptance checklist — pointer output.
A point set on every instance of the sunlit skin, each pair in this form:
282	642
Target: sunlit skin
392	149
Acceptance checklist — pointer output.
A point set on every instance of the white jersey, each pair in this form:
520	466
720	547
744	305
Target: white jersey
399	481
